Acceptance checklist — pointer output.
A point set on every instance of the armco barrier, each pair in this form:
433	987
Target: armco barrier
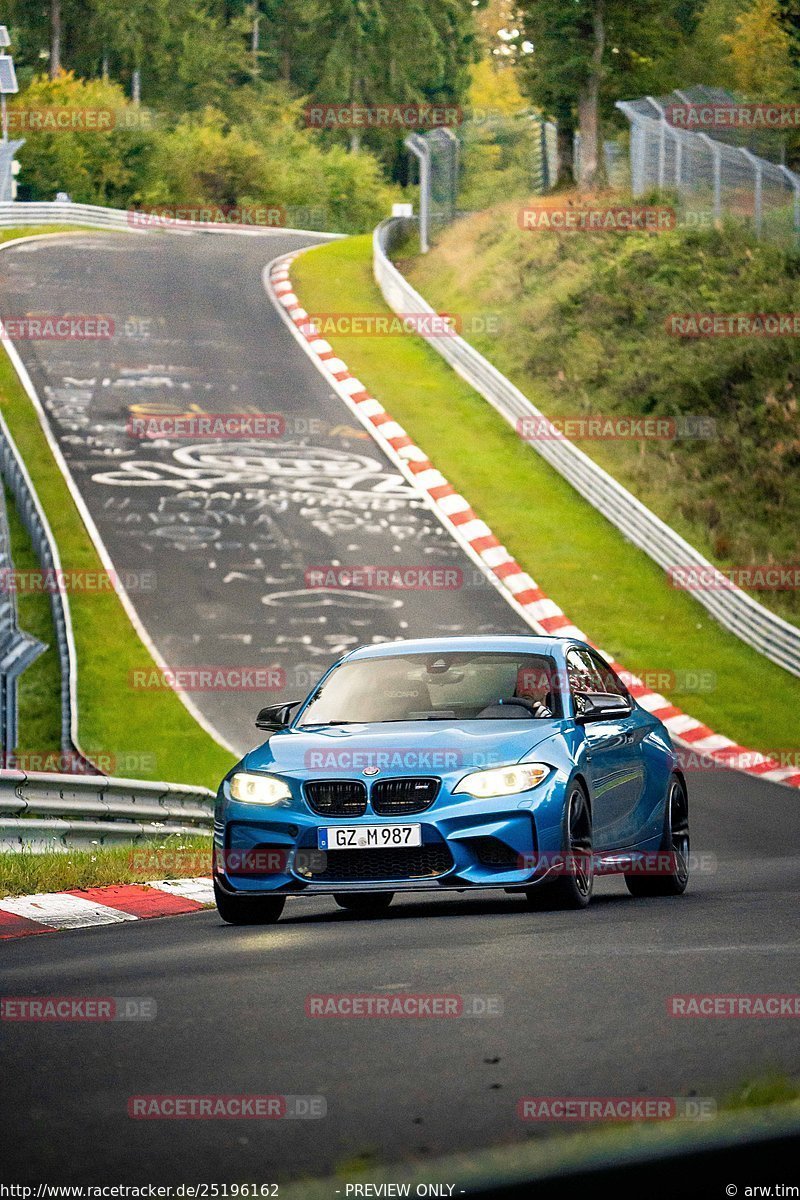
20	213
15	475
773	637
15	213
59	812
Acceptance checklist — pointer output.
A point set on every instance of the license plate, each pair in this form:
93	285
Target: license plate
368	837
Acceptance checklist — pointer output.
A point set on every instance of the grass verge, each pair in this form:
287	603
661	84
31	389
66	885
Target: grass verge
609	588
581	323
28	873
152	728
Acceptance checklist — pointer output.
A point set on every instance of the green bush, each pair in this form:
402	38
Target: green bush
256	153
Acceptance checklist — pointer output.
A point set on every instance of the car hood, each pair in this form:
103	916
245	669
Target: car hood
400	748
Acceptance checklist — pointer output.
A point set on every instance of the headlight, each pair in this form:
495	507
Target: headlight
502	781
259	789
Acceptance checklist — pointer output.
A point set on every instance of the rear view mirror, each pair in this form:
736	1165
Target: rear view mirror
276	716
599	706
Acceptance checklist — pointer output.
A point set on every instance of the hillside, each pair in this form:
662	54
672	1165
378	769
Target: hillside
580	323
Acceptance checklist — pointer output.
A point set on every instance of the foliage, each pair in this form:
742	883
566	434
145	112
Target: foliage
93	165
583	321
760	53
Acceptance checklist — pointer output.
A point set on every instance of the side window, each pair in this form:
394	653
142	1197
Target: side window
611	682
581	672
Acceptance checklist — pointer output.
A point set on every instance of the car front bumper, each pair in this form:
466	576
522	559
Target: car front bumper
466	843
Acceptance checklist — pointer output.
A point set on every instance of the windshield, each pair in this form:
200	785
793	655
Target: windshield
476	685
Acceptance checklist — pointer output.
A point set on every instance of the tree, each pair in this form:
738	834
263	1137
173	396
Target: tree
55	38
396	51
95	166
760	49
586	52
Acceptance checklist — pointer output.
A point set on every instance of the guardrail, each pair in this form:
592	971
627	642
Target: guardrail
21	213
17	648
57	212
766	632
41	811
19	483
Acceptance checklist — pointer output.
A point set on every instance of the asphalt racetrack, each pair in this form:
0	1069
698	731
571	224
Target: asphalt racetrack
216	539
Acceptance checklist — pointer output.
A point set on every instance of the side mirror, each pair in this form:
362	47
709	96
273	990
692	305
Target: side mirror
275	716
599	706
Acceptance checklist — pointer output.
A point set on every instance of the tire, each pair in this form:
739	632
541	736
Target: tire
675	841
367	904
572	889
248	910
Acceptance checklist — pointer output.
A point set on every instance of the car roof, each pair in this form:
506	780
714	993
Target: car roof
530	644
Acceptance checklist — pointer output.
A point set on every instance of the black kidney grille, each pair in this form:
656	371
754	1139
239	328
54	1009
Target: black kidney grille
379	865
391	797
337	797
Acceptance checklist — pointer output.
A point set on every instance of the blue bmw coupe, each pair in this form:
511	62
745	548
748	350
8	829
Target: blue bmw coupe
520	763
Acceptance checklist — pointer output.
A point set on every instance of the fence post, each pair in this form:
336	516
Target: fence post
758	199
717	155
547	182
794	183
420	149
638	134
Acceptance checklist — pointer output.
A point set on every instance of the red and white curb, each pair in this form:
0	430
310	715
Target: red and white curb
80	908
477	539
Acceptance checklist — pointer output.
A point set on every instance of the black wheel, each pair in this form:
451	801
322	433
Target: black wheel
248	910
368	904
671	881
573	888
